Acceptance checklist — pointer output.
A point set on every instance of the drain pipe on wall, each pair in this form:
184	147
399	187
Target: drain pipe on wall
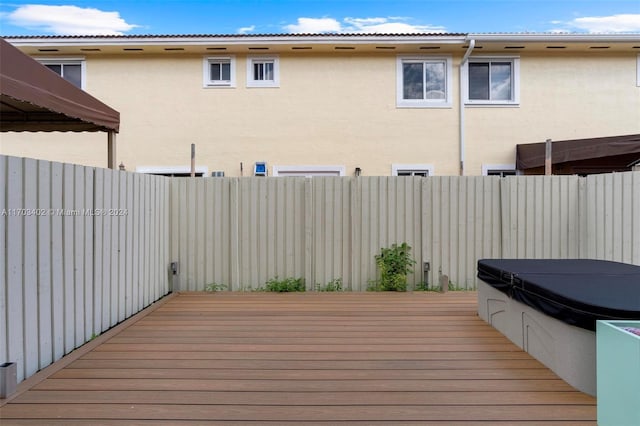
472	44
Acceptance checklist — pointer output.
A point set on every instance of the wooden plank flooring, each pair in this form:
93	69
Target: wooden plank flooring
305	359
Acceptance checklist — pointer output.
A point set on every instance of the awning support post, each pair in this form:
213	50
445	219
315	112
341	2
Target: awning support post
111	150
548	165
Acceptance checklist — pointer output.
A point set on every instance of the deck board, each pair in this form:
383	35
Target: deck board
305	359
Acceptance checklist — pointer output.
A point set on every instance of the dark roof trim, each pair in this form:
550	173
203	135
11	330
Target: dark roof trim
532	155
34	98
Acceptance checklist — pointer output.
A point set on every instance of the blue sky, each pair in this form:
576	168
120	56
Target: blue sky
131	17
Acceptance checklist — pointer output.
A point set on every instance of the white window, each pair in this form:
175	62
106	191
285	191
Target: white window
71	69
423	170
220	71
263	71
638	72
492	81
501	170
423	81
308	171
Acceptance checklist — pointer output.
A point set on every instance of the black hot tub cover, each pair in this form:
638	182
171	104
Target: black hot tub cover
576	291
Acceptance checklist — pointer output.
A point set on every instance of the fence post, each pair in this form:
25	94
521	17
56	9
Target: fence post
8	379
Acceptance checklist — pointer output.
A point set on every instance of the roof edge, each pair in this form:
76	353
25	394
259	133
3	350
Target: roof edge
208	38
556	37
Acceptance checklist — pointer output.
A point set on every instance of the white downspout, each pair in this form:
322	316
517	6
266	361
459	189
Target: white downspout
472	44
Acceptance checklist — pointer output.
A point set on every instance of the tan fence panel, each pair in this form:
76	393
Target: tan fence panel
238	232
611	224
329	228
540	217
461	224
384	211
67	260
271	230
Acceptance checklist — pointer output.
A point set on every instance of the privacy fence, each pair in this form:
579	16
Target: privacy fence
82	249
241	232
85	248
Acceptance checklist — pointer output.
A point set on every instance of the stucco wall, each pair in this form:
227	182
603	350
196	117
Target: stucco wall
336	109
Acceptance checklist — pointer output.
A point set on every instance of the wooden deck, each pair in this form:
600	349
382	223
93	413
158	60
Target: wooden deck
302	359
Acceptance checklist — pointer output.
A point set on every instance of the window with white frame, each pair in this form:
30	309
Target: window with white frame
423	170
492	80
72	70
220	71
263	71
308	171
423	81
501	170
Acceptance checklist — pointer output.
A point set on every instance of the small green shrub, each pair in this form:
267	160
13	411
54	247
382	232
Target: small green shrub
213	287
285	285
333	285
394	264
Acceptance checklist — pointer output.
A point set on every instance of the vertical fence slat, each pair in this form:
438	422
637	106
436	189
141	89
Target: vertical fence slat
68	240
234	235
57	260
174	228
45	326
121	242
78	255
107	261
129	253
308	237
4	323
14	253
30	267
98	252
88	218
144	241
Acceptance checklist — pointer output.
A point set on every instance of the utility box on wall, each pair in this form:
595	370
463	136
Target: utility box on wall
260	169
618	372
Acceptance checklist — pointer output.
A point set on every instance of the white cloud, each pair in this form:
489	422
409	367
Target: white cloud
360	25
69	20
314	25
607	24
245	30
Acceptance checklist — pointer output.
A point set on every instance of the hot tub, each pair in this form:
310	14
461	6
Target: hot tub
549	308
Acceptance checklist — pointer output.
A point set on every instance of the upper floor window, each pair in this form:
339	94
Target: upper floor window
492	80
71	70
424	81
263	71
220	72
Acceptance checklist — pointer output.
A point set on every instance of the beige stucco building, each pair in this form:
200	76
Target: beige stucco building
439	104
